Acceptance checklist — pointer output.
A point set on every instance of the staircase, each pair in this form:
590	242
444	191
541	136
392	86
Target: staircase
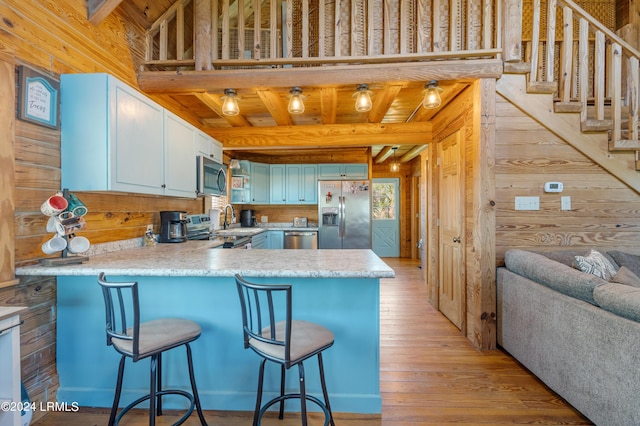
588	94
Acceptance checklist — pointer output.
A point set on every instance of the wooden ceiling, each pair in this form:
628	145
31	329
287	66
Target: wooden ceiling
264	127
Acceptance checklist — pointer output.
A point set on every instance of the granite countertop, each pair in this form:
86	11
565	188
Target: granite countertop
197	258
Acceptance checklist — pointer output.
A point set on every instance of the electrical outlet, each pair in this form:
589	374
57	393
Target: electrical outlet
527	203
264	219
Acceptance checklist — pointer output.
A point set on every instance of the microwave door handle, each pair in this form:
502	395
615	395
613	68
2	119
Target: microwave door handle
222	185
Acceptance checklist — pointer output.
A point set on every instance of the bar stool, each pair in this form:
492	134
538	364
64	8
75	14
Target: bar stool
137	341
286	342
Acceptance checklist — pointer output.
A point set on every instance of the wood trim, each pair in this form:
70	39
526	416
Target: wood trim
321	135
9	283
7	166
171	82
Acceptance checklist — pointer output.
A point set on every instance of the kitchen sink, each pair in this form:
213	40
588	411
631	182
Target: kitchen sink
238	231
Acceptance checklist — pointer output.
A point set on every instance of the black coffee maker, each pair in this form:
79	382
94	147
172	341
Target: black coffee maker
173	227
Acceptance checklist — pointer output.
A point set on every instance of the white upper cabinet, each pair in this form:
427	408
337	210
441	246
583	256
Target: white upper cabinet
179	161
208	146
113	138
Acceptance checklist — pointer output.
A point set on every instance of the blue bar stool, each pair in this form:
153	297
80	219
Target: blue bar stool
137	341
286	342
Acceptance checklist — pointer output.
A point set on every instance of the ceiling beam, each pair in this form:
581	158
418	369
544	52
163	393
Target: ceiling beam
382	102
276	107
328	104
98	10
412	153
321	135
183	82
383	154
215	104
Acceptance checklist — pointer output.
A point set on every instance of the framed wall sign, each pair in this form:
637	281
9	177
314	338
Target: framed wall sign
38	98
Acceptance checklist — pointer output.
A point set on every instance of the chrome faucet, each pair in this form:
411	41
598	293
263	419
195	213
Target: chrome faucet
226	223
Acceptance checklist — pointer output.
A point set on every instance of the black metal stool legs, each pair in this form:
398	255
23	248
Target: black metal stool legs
324	389
303	395
194	389
116	397
282	379
256	413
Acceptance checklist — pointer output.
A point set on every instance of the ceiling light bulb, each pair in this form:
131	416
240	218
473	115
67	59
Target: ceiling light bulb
432	95
363	98
230	102
296	101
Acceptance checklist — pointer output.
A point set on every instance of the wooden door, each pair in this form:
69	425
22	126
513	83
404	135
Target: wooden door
451	291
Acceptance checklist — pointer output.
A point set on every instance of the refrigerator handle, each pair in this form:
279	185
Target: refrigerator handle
343	208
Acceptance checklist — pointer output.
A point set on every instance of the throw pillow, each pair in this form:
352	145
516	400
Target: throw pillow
596	264
631	261
625	276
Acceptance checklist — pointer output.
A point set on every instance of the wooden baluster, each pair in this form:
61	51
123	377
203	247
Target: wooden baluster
225	29
422	26
616	92
567	55
180	32
454	25
321	28
273	26
305	28
598	80
634	94
240	27
387	27
337	49
535	41
370	20
257	29
551	39
164	40
215	27
583	68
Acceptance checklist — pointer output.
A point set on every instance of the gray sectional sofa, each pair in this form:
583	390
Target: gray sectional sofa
577	332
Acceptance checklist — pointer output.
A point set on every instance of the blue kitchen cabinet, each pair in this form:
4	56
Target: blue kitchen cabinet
250	183
275	239
259	241
294	184
346	171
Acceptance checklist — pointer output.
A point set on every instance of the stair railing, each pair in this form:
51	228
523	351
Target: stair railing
597	68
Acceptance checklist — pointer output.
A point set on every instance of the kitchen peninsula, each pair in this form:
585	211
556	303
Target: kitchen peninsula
336	288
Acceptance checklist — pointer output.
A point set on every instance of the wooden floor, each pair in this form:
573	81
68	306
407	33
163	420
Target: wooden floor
430	375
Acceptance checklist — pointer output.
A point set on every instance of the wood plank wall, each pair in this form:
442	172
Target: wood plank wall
604	212
55	37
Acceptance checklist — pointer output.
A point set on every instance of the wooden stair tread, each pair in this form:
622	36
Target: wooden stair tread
542	87
592	125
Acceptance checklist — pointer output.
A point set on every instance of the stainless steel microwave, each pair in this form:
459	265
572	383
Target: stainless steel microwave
212	177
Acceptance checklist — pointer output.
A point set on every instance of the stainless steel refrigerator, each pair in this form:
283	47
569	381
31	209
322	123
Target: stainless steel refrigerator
344	214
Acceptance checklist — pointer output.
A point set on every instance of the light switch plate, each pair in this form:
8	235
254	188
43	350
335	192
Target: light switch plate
565	202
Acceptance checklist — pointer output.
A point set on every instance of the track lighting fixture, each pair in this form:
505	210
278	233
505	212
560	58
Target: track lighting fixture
230	102
395	167
432	95
296	101
363	98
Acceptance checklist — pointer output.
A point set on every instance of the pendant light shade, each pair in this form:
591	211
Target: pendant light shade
432	95
296	101
395	167
363	98
230	102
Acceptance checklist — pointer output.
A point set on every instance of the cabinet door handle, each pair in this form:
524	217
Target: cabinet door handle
456	239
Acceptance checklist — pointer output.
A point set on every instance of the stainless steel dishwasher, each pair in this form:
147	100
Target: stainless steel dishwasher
300	240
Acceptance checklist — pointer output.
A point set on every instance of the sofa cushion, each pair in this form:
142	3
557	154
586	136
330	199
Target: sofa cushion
597	264
631	261
625	276
552	274
620	299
